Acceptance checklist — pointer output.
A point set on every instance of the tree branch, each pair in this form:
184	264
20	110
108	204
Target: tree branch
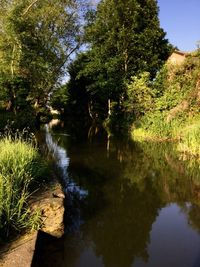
67	57
29	7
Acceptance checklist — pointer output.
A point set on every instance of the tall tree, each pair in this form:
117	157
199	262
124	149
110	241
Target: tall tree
125	39
37	38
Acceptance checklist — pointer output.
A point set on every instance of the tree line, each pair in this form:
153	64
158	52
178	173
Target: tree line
115	41
124	40
36	40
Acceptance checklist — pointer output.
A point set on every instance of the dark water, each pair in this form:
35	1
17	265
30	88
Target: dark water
132	205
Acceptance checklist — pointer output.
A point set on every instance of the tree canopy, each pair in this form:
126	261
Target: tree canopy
124	39
36	40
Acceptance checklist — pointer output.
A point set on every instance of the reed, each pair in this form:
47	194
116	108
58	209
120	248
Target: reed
190	141
20	164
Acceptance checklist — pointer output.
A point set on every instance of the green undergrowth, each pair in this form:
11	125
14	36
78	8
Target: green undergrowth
190	141
186	134
175	106
17	121
20	166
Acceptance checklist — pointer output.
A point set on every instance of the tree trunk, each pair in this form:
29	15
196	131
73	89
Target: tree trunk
90	110
109	107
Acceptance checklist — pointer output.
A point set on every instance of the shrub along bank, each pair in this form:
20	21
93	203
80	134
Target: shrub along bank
170	105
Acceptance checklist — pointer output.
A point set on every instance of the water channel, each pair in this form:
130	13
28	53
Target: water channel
132	205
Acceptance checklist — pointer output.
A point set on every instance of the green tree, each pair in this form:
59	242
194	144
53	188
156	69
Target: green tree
59	98
125	39
80	102
140	95
85	97
36	40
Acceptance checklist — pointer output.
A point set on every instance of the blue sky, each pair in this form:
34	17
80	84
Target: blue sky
181	21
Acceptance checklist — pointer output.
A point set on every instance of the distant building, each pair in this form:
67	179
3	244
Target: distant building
177	57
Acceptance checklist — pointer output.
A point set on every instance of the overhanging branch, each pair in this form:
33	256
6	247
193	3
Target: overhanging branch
29	7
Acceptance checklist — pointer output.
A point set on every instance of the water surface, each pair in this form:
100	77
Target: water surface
132	205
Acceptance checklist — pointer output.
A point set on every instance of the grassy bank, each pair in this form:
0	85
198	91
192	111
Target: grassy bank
190	141
186	135
20	166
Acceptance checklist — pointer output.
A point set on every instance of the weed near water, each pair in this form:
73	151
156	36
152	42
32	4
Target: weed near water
189	143
20	165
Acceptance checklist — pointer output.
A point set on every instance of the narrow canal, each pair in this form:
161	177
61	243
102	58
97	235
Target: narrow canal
131	205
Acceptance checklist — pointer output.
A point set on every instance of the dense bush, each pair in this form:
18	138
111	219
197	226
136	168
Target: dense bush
175	100
21	120
140	95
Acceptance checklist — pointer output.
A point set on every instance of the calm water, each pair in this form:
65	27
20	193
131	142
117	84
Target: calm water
131	205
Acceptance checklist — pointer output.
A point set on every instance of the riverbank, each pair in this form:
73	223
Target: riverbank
186	136
20	251
31	196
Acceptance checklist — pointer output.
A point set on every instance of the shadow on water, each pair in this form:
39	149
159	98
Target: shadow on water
128	205
48	251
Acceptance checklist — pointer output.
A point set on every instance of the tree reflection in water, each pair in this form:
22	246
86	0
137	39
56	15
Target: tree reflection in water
127	185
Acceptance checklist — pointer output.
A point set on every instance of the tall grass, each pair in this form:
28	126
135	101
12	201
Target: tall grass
186	132
20	164
154	126
190	141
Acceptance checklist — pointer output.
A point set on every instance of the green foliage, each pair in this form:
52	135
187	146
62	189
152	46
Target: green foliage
20	164
156	125
36	41
176	105
15	90
84	101
189	143
124	39
22	119
59	98
140	95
